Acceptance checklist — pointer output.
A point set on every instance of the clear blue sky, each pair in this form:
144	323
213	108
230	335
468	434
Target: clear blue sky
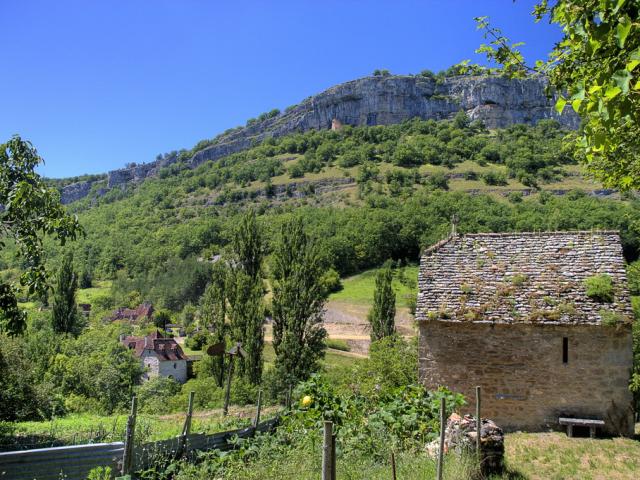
97	84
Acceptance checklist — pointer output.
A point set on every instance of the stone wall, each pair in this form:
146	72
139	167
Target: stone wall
176	369
520	368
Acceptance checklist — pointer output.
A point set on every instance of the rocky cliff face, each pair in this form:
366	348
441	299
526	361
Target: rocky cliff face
497	101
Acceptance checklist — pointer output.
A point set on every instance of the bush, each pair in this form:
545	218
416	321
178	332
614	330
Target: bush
331	281
600	288
197	341
439	180
494	178
153	394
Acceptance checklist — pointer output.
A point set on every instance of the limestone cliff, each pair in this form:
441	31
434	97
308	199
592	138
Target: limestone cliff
381	100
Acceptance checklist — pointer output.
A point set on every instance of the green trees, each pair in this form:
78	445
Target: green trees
244	291
383	312
594	68
213	317
298	301
64	316
30	208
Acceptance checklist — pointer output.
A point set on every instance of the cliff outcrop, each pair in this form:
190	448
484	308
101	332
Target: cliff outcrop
380	100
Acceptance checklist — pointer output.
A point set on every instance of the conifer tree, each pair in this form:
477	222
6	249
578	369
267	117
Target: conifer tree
298	302
382	315
65	311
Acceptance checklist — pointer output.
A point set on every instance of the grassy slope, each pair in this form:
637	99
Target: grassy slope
359	289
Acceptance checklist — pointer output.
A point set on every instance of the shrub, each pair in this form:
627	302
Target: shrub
600	288
494	178
197	341
610	318
439	180
153	394
295	170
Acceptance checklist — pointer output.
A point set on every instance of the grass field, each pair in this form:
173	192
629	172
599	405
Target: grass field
101	288
554	456
359	288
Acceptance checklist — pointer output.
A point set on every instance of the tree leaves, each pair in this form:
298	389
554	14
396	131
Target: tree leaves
622	31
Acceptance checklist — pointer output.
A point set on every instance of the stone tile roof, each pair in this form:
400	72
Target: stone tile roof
165	348
142	311
521	278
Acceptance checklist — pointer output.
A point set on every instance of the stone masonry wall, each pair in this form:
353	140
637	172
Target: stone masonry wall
525	384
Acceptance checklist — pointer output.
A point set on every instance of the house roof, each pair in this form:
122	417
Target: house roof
165	348
144	310
522	278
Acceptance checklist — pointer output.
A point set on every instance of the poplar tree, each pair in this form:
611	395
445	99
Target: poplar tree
298	304
244	292
65	311
214	308
383	313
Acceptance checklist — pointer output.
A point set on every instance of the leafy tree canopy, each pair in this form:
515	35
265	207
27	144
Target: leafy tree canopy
30	209
594	67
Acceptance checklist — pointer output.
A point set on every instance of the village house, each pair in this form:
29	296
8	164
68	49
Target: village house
515	314
161	356
142	312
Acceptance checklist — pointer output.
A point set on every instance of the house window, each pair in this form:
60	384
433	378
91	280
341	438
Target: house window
565	350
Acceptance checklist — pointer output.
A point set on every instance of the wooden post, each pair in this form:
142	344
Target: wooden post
256	421
393	465
227	394
186	429
127	457
333	457
478	425
327	450
442	429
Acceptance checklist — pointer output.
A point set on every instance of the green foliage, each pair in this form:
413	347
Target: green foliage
198	341
494	178
298	301
213	316
30	209
154	394
382	315
594	68
610	318
600	288
65	317
244	292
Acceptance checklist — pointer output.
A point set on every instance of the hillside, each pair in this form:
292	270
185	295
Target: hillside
378	100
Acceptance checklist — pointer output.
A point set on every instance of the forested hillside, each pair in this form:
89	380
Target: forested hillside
368	193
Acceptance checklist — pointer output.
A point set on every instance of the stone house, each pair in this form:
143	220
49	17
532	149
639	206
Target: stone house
510	313
142	312
161	356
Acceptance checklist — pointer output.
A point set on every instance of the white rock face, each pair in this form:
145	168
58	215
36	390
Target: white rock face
381	100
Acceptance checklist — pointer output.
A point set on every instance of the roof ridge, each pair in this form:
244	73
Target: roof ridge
437	246
542	233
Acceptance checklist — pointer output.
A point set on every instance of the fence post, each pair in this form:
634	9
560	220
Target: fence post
127	457
478	424
333	457
187	427
442	429
256	420
327	450
393	465
227	394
